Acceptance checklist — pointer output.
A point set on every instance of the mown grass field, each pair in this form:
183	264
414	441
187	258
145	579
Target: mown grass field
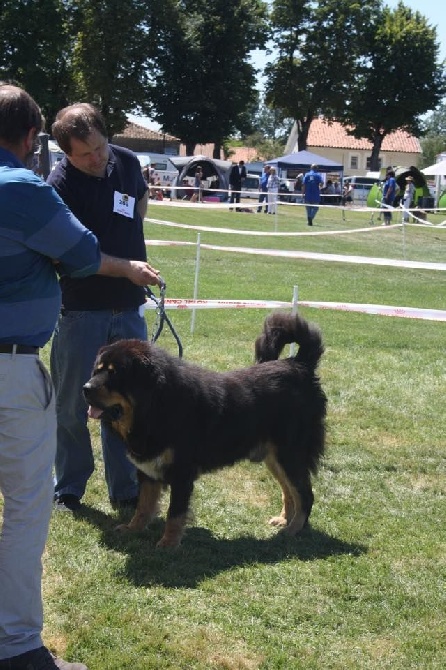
364	585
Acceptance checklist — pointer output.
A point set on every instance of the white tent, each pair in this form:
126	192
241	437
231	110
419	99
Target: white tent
435	169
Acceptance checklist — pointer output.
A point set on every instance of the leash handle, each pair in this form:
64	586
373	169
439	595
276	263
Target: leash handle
159	302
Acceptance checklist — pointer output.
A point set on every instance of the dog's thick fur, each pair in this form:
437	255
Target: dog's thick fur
179	420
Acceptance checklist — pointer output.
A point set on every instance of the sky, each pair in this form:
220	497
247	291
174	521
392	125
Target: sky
433	10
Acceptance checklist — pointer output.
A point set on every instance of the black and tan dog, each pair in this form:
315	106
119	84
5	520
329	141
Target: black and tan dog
179	420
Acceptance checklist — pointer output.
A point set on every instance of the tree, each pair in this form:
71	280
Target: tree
434	140
399	79
34	49
435	122
110	57
318	45
271	123
203	81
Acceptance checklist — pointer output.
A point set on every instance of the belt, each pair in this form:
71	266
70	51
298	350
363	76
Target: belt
19	349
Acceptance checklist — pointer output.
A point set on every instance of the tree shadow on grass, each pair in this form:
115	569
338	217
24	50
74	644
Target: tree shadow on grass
203	555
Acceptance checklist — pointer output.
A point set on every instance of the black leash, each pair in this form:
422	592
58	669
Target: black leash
162	316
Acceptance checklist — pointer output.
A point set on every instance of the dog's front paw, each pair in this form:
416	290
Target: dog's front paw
278	521
168	542
133	526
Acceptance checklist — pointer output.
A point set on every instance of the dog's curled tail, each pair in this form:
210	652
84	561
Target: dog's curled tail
281	329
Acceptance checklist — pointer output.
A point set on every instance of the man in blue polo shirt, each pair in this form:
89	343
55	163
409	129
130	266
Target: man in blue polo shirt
103	185
38	234
311	189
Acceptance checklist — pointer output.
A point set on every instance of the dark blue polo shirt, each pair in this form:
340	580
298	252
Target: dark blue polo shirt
93	201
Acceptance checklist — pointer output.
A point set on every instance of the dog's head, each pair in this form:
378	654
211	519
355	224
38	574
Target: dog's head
119	371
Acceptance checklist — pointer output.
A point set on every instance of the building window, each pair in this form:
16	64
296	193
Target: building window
354	162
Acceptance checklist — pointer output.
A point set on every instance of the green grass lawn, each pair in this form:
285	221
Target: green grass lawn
363	586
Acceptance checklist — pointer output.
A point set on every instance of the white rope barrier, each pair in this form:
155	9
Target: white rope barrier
247	206
308	255
265	233
381	310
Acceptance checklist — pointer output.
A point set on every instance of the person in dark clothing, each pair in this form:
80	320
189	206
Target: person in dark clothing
236	178
103	186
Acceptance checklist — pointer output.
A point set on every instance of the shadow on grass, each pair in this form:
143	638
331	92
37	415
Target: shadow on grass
202	555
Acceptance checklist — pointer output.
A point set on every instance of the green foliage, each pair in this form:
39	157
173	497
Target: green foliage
435	122
319	45
203	82
360	63
110	56
399	80
34	51
434	140
431	146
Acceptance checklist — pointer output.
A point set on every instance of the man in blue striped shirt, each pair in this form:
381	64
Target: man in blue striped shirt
38	234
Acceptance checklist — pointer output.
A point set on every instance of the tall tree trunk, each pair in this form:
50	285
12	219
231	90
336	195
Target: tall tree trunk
303	126
374	158
190	148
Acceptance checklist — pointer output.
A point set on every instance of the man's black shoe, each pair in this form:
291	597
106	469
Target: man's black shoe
67	502
39	659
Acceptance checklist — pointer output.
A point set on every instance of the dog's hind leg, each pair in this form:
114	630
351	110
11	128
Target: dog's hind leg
147	507
294	513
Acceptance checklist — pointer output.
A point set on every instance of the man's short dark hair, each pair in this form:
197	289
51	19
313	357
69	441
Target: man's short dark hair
78	121
19	113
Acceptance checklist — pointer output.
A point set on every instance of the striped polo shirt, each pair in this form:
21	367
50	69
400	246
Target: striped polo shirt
36	229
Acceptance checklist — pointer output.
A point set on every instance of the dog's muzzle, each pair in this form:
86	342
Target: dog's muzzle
96	410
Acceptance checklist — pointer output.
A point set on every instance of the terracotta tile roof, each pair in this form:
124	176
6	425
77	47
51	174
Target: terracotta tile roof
334	135
136	131
247	154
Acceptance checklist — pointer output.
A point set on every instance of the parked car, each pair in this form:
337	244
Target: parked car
361	188
251	186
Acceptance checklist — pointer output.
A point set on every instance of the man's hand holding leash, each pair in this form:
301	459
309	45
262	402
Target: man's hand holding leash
138	272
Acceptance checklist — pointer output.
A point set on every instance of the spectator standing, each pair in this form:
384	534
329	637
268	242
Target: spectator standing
311	188
337	192
263	195
236	178
347	194
328	192
273	191
408	197
103	185
198	179
36	227
389	193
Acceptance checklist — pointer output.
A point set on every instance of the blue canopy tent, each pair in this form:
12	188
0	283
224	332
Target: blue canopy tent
303	160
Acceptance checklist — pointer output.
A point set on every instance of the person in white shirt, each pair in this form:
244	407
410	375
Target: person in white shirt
273	191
